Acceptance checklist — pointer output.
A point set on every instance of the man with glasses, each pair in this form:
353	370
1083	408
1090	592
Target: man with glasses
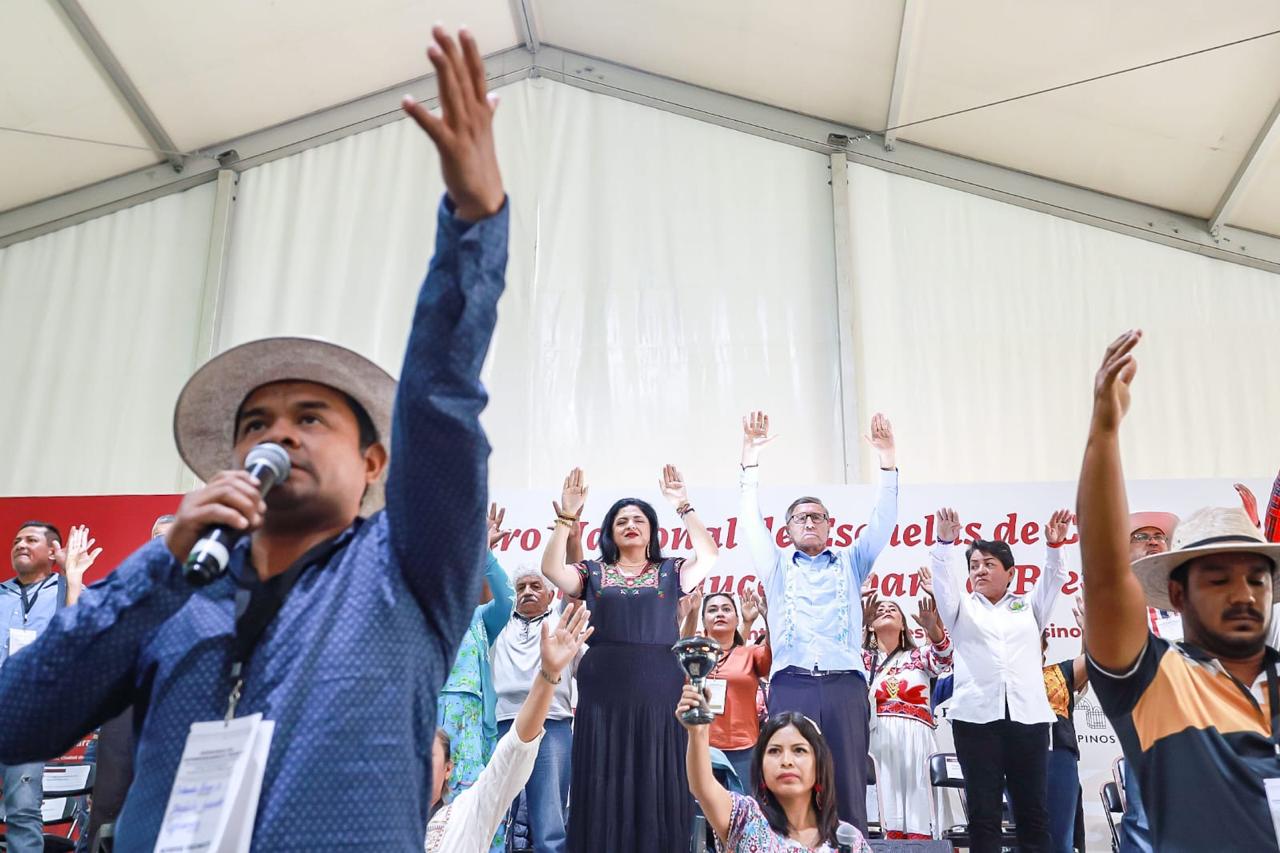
814	592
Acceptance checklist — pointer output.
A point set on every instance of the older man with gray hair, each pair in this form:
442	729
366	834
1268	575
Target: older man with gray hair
516	662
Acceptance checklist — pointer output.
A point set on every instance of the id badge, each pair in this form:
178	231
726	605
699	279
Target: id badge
20	638
1273	804
214	798
717	688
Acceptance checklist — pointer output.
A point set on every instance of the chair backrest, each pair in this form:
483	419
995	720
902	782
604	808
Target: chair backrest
1111	806
1118	769
944	771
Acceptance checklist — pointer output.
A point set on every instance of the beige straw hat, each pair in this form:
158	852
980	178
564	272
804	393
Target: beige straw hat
204	417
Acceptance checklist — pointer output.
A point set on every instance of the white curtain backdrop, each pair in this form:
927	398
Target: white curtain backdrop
665	276
981	325
100	333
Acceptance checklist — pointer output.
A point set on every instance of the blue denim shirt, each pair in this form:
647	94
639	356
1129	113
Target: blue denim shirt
352	664
44	597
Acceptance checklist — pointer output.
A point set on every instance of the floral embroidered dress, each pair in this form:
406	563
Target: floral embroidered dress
749	832
902	733
628	787
466	707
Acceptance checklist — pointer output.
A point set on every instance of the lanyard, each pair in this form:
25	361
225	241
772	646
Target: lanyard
256	608
878	666
28	603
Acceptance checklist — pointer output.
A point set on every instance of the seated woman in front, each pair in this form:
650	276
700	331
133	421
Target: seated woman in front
793	807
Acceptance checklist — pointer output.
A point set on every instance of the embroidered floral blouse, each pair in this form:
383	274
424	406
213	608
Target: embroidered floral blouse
901	681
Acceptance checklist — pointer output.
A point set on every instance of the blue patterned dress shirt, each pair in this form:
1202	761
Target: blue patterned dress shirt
351	666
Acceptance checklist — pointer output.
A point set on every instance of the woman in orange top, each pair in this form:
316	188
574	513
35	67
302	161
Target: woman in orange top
736	676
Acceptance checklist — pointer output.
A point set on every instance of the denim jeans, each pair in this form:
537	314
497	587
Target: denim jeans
23	791
1063	795
547	792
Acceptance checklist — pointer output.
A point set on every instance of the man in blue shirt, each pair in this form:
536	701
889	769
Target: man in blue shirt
814	594
372	602
27	603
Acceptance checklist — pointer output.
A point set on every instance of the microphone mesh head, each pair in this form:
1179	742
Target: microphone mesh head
273	456
845	833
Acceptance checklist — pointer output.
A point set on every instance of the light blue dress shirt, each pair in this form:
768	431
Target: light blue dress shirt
815	603
44	597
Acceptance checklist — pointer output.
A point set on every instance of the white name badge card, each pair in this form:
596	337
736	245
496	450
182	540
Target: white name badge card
20	638
717	688
215	792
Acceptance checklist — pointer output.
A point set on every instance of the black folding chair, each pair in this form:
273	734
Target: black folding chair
944	774
1113	807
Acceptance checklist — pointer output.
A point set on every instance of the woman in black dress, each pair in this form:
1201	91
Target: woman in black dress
627	791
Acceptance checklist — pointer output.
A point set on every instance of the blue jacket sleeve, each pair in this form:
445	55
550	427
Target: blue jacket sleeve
437	486
80	672
496	612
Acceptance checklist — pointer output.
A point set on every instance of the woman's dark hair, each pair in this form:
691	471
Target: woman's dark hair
905	640
824	777
992	548
737	635
609	549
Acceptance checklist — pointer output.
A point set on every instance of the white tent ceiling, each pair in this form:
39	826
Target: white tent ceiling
1173	140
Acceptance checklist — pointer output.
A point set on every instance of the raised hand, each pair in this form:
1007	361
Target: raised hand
755	435
870	603
230	498
1059	524
673	487
1111	383
463	132
926	579
927	618
496	533
881	439
1250	503
948	524
559	647
689	699
573	495
751	607
79	555
688	609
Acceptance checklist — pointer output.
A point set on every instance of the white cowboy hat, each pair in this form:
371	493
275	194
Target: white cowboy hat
204	417
1212	530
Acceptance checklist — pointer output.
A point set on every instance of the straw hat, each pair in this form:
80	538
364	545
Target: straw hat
1212	530
204	417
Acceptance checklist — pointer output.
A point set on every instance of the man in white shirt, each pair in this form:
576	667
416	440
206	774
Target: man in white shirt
467	824
813	588
516	658
1000	715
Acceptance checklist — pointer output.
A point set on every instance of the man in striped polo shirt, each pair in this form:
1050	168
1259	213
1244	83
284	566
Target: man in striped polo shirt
1194	718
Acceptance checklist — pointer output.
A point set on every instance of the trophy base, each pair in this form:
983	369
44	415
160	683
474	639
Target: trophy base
698	717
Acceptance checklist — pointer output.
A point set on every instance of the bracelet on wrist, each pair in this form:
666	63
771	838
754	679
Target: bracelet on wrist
542	673
683	512
565	522
745	467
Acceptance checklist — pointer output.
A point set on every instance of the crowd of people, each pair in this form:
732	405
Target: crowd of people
427	696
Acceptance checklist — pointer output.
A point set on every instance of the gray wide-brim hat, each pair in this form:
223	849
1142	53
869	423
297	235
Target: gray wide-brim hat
1212	530
204	417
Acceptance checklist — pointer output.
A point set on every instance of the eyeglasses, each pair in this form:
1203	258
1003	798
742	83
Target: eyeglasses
1148	537
806	517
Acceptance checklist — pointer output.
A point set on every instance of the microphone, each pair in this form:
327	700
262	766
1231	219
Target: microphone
846	837
208	560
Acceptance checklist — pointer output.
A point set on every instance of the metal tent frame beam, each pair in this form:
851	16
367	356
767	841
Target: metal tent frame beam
157	137
906	45
575	69
1245	173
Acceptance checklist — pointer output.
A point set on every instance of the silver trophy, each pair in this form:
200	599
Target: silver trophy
698	656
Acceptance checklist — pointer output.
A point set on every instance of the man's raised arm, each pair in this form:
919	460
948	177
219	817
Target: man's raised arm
437	488
1115	614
